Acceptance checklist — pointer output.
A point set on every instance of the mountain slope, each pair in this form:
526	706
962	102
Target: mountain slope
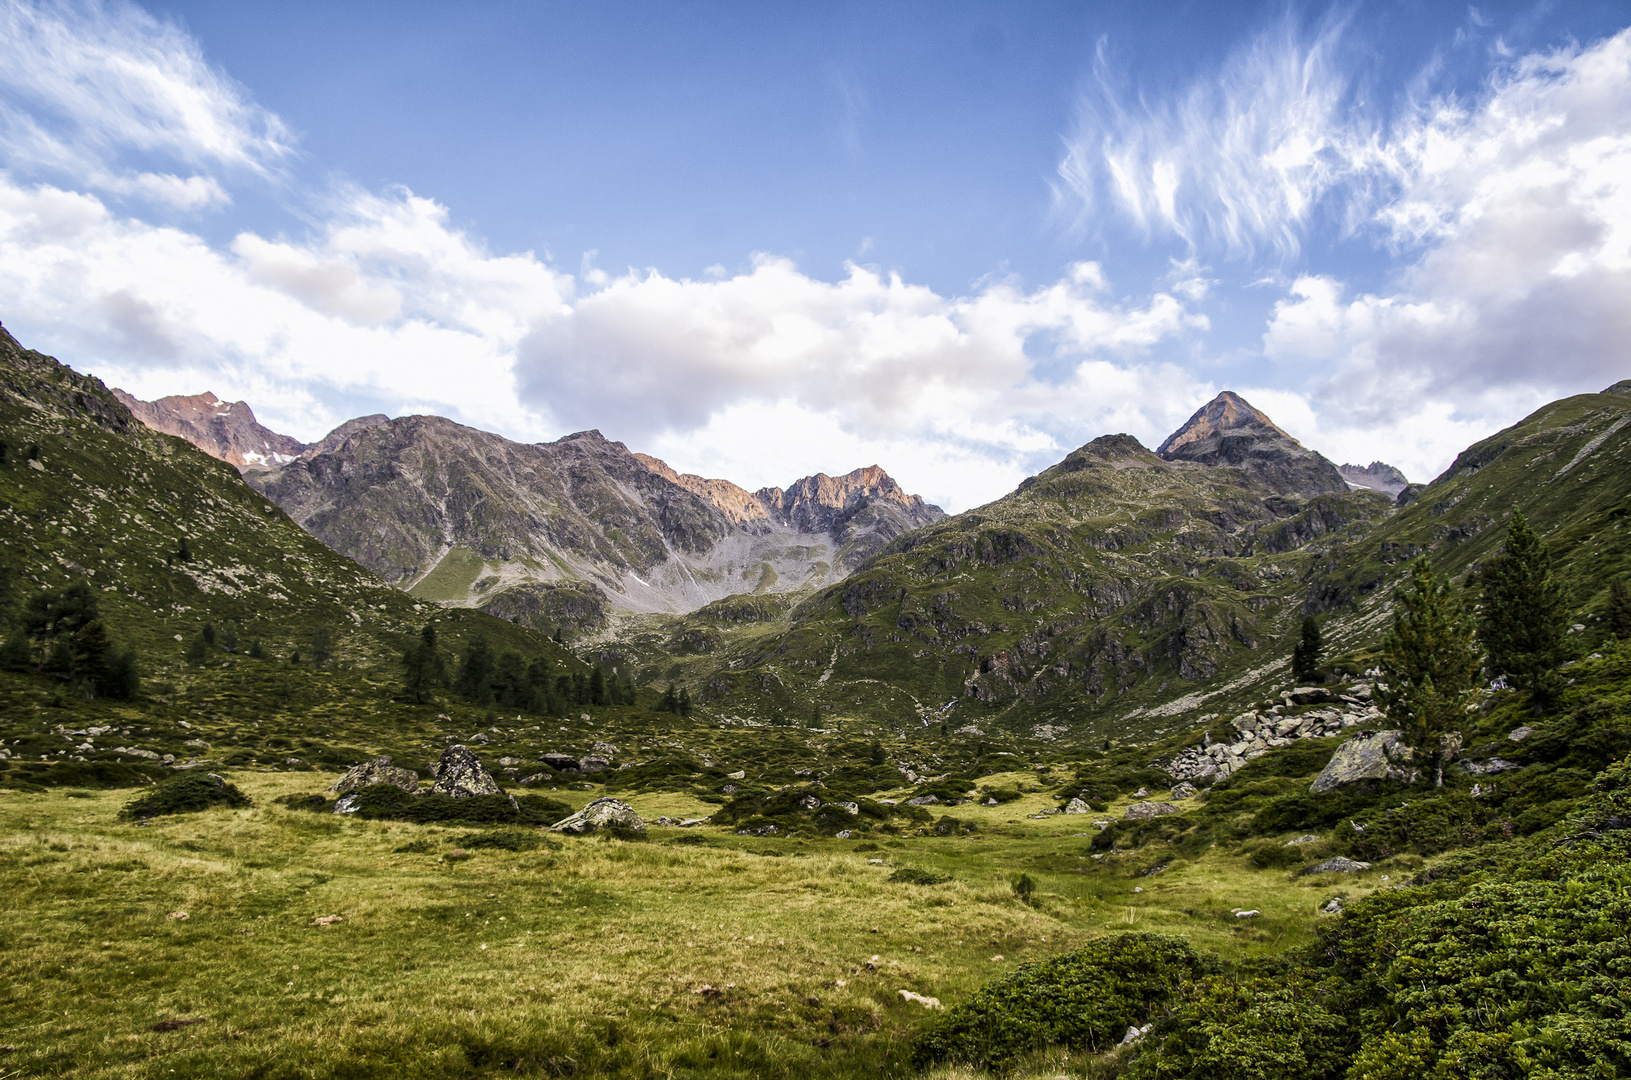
569	532
226	431
1228	431
1108	580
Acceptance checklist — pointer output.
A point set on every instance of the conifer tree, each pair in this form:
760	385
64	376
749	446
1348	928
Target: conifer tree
475	679
1429	663
685	702
670	702
1305	658
423	669
597	686
322	646
1524	625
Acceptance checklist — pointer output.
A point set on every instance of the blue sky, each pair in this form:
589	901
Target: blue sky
765	240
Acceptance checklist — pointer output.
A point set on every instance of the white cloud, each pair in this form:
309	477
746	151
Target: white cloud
1239	160
87	88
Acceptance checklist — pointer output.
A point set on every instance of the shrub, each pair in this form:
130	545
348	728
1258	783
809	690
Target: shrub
1082	999
1025	887
314	803
912	875
506	840
184	794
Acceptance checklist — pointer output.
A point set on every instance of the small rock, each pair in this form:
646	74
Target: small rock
480	737
923	800
739	774
600	814
593	763
179	916
604	749
729	789
560	762
1341	864
1522	733
1490	765
1140	810
509	762
845	834
292	763
1334	906
326	920
376	771
1185	790
926	1002
1141	793
1252	914
689	823
1309	839
810	802
1074	806
997	959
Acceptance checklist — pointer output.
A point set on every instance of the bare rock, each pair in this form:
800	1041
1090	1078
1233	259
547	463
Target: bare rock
593	763
1341	864
459	773
1522	733
1141	810
600	814
1377	757
923	800
1490	765
560	762
1185	790
378	771
1075	806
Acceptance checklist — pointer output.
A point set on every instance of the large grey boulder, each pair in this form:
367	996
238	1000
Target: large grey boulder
1378	757
378	771
560	762
459	773
599	815
1141	810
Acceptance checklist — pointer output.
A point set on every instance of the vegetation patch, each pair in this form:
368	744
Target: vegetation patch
187	793
388	802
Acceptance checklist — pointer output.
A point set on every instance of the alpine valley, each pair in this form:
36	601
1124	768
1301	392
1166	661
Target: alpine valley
417	751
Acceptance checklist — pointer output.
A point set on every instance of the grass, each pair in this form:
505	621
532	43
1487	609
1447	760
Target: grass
451	578
588	959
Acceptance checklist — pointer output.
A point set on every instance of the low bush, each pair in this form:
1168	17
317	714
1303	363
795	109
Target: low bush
1085	999
186	793
506	840
912	875
317	804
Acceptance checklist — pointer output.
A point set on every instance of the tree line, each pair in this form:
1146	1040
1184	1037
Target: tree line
61	633
507	679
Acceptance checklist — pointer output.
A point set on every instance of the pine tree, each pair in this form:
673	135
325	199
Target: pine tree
423	669
1429	663
597	686
670	702
322	646
50	619
1524	625
1305	658
1618	615
685	702
198	651
475	679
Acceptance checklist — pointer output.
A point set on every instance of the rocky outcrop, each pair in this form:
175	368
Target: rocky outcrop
1228	431
1259	731
222	430
601	814
378	771
1139	811
1375	758
459	773
1377	476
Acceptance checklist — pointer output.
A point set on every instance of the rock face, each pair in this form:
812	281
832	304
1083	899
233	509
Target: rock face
378	771
459	773
572	532
1228	431
601	814
226	431
1377	476
1258	732
1369	758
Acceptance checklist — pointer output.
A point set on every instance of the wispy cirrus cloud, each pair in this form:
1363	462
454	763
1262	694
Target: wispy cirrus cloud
105	95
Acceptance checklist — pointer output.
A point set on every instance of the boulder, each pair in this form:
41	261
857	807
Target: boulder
560	762
378	771
1521	733
601	814
459	773
605	749
1185	790
923	800
593	763
1309	695
1075	806
1141	810
1368	758
1341	864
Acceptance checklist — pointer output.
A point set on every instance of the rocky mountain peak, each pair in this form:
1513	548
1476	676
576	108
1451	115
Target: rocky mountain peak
1226	413
1377	476
1228	431
224	430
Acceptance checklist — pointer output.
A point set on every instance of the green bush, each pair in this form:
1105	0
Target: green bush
187	793
912	875
316	804
506	840
1245	1029
1080	1000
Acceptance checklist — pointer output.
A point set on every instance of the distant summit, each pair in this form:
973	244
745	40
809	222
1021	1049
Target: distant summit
226	431
1377	476
1228	431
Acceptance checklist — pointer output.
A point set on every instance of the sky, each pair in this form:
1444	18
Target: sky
956	240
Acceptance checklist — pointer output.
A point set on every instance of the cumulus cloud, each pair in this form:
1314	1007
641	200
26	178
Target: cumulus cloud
91	88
